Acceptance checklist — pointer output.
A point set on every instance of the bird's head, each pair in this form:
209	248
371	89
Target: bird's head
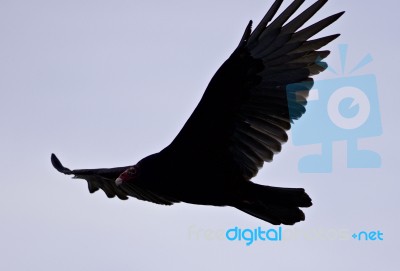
128	175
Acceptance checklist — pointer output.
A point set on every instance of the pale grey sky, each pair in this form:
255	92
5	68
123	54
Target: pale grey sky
105	83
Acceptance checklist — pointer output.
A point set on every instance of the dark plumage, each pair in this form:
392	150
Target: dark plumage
240	122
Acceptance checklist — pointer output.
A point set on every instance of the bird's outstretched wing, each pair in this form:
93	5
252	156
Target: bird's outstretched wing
104	179
254	97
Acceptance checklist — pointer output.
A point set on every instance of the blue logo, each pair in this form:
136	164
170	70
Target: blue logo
344	108
251	235
368	236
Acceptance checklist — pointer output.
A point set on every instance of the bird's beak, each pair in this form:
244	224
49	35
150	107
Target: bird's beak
118	181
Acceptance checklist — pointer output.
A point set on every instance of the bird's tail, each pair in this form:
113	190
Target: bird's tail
276	205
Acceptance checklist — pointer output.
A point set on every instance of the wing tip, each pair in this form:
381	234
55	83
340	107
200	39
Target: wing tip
336	16
246	34
57	165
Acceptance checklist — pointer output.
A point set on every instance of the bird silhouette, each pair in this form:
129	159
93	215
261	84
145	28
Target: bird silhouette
240	122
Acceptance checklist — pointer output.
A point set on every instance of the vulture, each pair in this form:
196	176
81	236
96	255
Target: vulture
240	122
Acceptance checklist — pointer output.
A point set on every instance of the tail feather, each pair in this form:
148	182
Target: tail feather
289	197
275	205
273	214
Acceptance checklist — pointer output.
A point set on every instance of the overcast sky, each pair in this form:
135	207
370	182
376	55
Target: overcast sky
106	83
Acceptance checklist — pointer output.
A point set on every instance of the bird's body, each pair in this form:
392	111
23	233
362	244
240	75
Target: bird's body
240	122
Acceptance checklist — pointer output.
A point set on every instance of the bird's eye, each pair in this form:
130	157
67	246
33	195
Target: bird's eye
132	171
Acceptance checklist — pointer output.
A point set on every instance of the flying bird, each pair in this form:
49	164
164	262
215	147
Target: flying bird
240	122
